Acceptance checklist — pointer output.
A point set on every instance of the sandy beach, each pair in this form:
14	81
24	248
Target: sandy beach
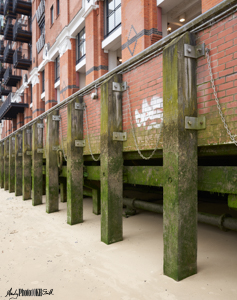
41	251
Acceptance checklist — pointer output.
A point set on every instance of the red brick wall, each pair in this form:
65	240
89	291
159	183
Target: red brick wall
207	4
222	42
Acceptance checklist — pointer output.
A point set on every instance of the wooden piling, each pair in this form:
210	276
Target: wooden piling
26	163
37	162
96	201
111	163
75	162
180	160
6	164
52	145
18	164
12	164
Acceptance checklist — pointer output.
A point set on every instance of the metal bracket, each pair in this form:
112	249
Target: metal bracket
120	136
80	143
28	152
13	138
40	150
56	118
7	156
80	106
19	154
55	148
19	135
195	123
119	87
40	125
13	155
28	130
194	51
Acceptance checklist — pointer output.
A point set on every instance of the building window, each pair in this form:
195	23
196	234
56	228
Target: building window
31	93
57	69
113	13
43	82
81	45
58	7
51	14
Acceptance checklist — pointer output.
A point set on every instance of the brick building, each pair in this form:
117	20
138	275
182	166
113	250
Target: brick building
50	49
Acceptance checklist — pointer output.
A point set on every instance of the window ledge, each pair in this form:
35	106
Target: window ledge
57	84
81	64
113	41
43	96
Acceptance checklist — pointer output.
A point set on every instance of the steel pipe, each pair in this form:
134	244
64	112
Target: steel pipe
224	222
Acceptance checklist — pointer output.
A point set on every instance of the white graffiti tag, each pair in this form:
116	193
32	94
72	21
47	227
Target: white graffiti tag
150	113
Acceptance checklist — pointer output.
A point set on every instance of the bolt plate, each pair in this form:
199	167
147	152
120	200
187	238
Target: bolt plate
20	154
195	123
56	118
28	152
194	51
79	106
28	130
119	87
40	125
40	150
80	143
55	148
120	136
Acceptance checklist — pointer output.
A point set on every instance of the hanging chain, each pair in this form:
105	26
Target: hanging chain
134	136
89	138
232	137
61	130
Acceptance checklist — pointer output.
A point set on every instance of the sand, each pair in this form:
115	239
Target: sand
40	250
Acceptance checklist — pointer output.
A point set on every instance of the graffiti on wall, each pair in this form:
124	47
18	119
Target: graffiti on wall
151	114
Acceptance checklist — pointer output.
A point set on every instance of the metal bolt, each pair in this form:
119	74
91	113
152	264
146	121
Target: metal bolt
189	123
189	50
199	49
201	123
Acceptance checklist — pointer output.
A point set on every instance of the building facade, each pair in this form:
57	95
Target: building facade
51	49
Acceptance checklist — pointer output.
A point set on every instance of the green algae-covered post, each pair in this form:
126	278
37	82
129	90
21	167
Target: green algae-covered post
37	162
96	201
75	162
18	164
180	160
2	165
111	163
52	145
6	163
26	163
12	164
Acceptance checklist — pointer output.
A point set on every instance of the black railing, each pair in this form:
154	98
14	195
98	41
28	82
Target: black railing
1	7
8	9
20	33
1	47
14	104
40	43
2	71
8	53
11	79
4	91
21	59
8	30
22	7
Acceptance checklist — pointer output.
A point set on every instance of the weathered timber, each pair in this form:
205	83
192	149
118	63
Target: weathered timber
2	165
179	161
111	171
37	163
26	164
63	189
143	175
18	164
74	164
6	163
11	164
52	144
96	201
232	201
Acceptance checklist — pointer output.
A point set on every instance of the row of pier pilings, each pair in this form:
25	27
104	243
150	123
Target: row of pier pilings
22	166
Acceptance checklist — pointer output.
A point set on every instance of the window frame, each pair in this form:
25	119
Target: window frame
79	44
107	32
58	7
57	68
43	81
51	15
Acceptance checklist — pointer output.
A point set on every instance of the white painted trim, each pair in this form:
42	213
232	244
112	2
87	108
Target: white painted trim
92	7
81	64
112	39
42	96
31	105
57	84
